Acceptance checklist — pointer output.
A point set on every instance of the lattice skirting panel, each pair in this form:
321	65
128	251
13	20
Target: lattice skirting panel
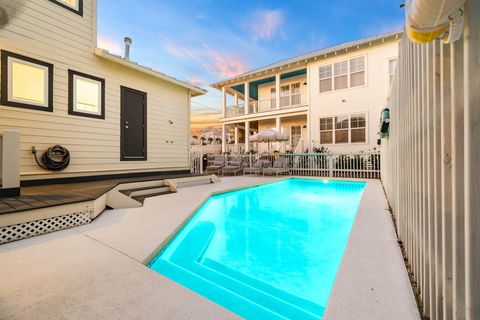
38	227
193	181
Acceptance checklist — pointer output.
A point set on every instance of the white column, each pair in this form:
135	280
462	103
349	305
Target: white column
224	138
278	127
236	98
236	137
247	135
247	96
309	115
224	102
277	90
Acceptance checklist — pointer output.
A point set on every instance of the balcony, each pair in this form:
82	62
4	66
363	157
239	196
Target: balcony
255	107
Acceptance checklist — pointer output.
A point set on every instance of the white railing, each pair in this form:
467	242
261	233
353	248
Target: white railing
365	165
431	168
235	110
288	101
345	165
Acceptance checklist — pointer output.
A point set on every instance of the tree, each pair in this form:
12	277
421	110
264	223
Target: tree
210	140
195	137
203	140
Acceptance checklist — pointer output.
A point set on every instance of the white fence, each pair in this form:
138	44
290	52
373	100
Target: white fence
364	165
431	168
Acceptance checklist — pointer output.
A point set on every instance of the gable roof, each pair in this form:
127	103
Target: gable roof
195	90
313	56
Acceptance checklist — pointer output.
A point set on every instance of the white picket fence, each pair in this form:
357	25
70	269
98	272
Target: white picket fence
365	165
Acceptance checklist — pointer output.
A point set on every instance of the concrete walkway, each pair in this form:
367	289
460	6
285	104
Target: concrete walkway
97	271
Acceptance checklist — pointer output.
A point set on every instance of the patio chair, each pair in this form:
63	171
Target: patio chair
217	165
257	167
234	167
279	167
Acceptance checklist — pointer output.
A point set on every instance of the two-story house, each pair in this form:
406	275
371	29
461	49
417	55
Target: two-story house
115	116
331	97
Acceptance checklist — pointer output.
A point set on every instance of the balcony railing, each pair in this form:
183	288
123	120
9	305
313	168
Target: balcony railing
287	101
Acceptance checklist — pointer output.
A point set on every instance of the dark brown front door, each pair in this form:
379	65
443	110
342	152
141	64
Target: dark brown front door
133	137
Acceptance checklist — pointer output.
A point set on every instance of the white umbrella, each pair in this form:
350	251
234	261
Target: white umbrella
269	135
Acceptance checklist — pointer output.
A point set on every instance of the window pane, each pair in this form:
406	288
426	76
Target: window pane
285	96
296	132
341	122
341	136
29	83
326	124
325	72
296	96
87	95
326	85
357	65
357	79
341	68
357	121
341	82
273	98
70	3
358	135
326	137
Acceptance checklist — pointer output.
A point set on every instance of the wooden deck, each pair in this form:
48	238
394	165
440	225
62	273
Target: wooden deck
44	196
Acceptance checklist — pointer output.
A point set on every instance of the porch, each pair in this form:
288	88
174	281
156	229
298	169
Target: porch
295	125
277	92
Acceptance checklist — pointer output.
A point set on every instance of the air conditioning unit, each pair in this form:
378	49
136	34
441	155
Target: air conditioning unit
9	163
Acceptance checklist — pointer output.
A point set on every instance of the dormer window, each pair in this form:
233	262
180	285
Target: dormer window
72	5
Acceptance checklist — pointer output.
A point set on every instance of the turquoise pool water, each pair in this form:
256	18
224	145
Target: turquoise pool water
266	252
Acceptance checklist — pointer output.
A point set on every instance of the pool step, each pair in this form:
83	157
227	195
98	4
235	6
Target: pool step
226	298
262	286
276	301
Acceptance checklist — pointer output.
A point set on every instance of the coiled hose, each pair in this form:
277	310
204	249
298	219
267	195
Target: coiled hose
56	158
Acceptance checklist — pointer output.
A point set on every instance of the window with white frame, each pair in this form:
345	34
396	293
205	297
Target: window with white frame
326	130
326	78
346	74
357	72
284	95
273	98
86	95
295	135
343	129
340	73
26	82
392	66
72	5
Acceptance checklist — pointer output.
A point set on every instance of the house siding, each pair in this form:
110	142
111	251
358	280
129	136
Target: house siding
369	99
45	31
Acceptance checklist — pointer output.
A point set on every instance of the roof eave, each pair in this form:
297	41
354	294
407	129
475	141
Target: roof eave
265	70
194	90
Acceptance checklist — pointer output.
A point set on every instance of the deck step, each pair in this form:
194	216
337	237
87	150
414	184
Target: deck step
142	198
145	190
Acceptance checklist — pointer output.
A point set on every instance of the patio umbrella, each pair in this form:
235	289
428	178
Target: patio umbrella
268	136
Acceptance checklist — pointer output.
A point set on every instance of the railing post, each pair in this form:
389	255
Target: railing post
201	161
330	165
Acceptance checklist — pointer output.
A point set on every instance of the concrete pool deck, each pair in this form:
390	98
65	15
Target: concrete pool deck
97	271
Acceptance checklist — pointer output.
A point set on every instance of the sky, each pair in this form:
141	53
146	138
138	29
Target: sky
205	41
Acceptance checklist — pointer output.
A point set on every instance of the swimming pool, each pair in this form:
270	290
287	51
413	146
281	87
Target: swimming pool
266	252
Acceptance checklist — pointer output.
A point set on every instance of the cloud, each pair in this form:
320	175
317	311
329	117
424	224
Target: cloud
110	44
219	63
265	24
223	65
